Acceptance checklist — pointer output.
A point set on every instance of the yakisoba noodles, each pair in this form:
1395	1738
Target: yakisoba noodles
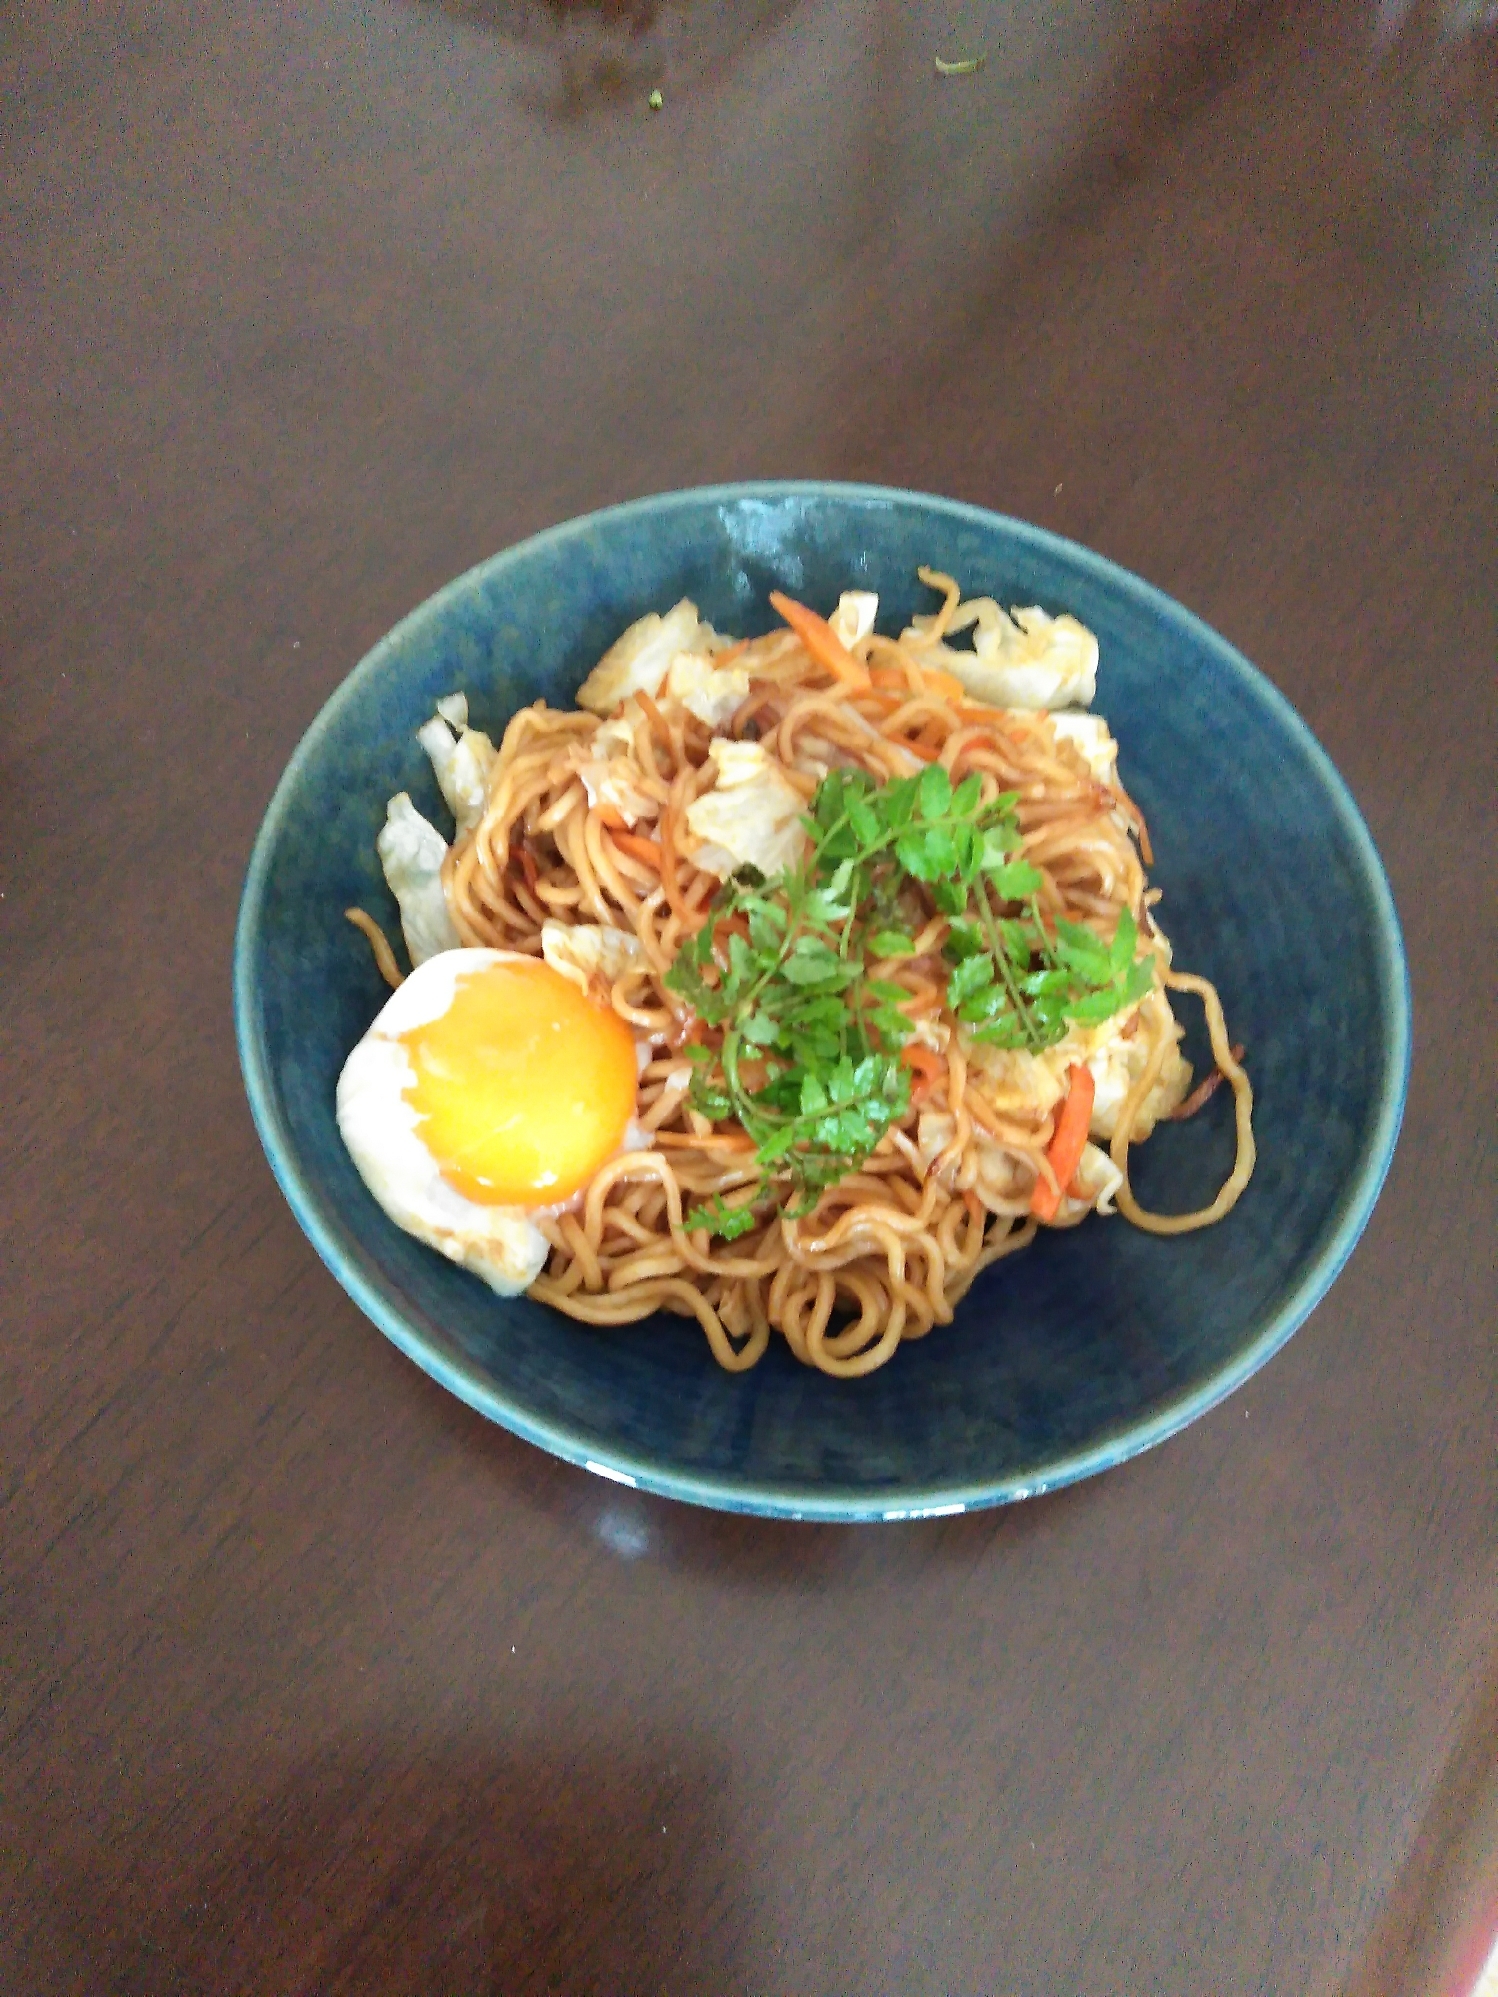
874	913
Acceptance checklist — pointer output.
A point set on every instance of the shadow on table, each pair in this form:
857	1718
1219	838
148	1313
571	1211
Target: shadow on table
466	1871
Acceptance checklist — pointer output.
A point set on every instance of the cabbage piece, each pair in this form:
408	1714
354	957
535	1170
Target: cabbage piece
1017	1082
1028	660
461	757
711	692
610	774
1116	1068
1005	1177
934	1131
1118	1062
752	817
588	954
411	851
1099	1179
638	661
854	617
1090	736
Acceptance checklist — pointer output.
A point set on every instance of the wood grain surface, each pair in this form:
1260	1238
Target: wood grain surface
311	1681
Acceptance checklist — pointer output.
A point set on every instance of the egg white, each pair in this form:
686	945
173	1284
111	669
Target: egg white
503	1245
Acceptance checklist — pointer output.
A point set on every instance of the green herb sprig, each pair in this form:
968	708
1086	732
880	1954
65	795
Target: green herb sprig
1016	984
718	1217
808	1062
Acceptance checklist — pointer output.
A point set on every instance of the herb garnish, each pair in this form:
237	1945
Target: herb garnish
808	1062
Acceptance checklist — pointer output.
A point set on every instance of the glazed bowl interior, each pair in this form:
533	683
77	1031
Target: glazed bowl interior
1069	1357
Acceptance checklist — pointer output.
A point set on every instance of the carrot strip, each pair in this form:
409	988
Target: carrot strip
926	1065
1065	1152
1009	722
638	848
819	638
946	684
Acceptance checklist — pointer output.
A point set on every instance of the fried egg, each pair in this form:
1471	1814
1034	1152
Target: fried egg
486	1094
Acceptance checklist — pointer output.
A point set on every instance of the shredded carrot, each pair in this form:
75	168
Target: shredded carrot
1065	1152
819	638
638	847
613	819
926	1065
1008	722
722	659
934	680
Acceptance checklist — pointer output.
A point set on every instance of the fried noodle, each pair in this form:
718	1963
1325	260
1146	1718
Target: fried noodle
891	1249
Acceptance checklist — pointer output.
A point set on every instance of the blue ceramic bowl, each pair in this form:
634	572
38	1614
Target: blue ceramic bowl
1072	1356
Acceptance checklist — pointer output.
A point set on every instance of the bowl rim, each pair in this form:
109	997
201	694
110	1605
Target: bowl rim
789	1499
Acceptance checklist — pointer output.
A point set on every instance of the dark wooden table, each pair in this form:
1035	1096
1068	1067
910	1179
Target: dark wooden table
313	1681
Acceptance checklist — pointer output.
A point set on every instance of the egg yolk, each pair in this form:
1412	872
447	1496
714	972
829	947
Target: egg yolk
523	1087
